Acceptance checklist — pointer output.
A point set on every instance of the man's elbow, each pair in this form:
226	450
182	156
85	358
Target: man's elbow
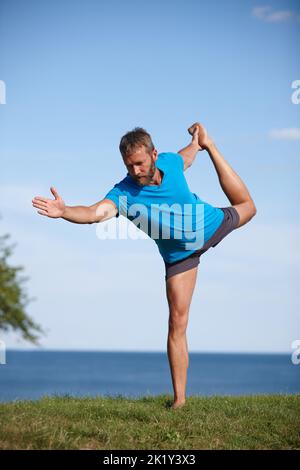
93	216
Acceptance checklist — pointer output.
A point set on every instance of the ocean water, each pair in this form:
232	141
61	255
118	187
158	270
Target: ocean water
33	374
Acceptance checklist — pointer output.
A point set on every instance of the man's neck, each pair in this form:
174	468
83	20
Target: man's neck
157	177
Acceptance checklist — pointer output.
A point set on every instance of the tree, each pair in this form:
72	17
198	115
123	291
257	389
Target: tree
13	298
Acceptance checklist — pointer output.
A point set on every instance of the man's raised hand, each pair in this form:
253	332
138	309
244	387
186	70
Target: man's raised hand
50	207
199	133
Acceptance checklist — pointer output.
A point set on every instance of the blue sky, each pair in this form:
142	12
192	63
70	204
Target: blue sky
78	76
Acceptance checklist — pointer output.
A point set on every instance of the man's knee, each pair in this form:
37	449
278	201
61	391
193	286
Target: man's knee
178	320
246	210
252	209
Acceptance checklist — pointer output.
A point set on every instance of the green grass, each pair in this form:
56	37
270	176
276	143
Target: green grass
64	422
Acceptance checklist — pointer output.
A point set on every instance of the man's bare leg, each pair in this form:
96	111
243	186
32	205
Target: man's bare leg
232	185
179	289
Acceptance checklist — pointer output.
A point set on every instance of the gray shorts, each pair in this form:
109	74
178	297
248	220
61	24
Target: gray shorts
230	222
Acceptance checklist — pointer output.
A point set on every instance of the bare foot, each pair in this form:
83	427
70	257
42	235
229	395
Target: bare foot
177	404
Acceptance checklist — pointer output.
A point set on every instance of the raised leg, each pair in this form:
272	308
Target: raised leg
179	290
233	186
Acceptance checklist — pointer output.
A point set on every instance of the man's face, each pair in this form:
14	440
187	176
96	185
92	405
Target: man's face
141	165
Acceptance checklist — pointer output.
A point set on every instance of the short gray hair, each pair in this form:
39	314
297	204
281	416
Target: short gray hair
134	139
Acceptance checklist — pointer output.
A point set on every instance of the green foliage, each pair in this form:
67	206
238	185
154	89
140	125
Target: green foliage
13	298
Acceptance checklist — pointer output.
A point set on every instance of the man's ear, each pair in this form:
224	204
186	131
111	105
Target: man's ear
155	154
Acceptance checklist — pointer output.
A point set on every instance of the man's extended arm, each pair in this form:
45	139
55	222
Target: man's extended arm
56	208
77	214
99	212
190	151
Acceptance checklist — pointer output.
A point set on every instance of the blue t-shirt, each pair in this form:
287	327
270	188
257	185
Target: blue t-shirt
175	218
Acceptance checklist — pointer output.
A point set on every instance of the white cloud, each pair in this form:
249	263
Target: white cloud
279	16
291	133
266	13
261	12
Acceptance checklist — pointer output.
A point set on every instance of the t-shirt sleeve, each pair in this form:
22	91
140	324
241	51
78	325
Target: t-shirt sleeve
175	160
114	194
180	160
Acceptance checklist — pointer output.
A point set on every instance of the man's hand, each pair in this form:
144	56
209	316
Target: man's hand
200	136
49	207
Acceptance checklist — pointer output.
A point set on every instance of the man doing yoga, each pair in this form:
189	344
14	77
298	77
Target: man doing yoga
156	181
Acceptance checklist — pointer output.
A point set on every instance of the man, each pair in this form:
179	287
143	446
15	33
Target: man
157	180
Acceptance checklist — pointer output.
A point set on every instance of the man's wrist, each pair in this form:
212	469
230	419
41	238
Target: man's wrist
195	146
64	213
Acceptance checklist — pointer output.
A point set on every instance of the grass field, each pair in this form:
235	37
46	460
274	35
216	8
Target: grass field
64	422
